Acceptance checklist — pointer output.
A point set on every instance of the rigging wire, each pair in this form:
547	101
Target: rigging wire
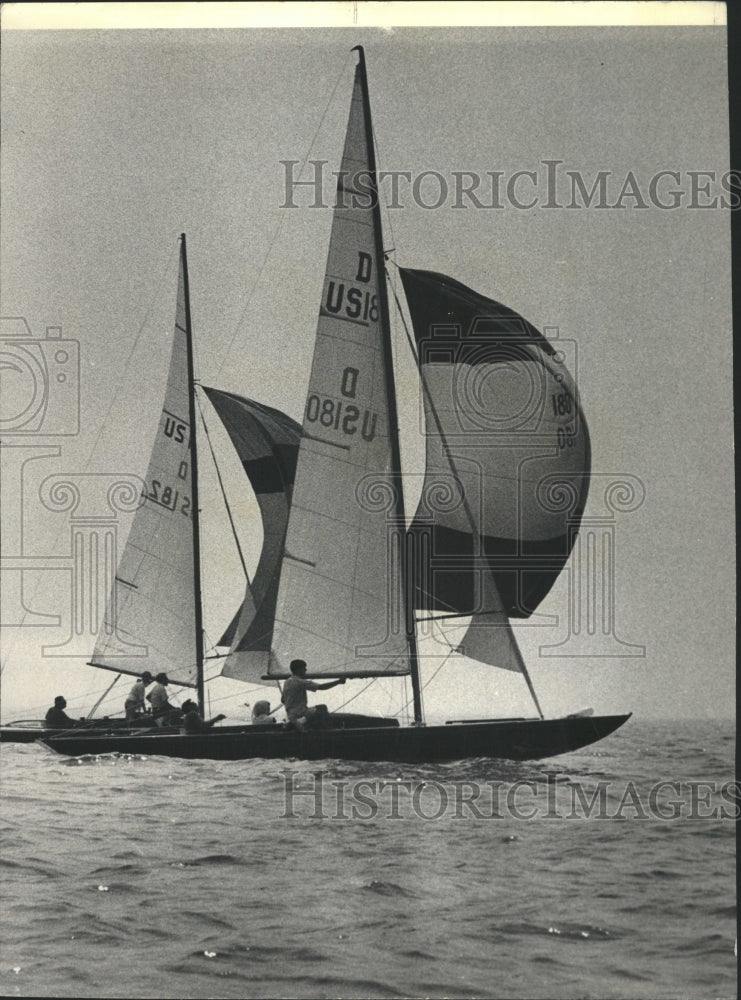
74	699
94	709
103	426
119	389
429	679
444	661
259	689
357	695
277	233
223	493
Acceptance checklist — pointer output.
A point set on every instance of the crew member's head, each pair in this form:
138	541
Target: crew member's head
298	667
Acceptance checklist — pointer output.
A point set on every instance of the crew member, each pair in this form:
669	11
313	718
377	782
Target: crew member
192	720
162	711
134	703
294	697
56	717
261	714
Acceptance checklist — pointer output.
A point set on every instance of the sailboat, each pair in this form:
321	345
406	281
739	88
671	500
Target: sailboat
343	581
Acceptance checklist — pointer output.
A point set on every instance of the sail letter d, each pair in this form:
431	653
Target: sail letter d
365	267
349	382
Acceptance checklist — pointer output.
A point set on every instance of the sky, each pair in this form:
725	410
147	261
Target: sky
116	141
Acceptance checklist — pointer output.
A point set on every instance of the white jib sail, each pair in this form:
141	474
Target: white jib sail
150	617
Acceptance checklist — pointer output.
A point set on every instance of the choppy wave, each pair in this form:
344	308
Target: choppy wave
140	876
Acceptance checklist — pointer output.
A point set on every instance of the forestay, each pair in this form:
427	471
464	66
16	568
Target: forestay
150	620
341	604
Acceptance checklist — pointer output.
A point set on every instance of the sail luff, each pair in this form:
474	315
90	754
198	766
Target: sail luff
410	623
340	604
198	623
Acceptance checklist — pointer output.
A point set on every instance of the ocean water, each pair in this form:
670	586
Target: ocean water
152	877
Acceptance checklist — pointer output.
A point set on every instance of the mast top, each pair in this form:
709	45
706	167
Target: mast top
361	53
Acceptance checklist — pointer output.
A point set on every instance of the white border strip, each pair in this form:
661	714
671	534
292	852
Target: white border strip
362	14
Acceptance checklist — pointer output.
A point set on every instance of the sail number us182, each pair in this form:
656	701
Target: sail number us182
167	496
164	494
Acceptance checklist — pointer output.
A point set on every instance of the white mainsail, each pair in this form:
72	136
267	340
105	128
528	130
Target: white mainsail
152	615
341	604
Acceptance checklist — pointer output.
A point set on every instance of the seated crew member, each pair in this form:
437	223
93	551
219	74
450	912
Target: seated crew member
193	722
261	714
163	712
57	718
294	697
134	703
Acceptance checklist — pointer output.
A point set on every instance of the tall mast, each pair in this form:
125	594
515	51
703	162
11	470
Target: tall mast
391	393
194	480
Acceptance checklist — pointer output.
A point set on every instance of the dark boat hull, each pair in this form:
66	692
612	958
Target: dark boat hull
31	733
23	734
103	728
508	739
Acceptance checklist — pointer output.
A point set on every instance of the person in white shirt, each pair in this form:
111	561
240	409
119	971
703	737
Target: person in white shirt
162	710
294	696
134	703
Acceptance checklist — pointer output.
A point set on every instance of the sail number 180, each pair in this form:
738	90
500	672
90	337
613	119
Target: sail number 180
340	415
562	404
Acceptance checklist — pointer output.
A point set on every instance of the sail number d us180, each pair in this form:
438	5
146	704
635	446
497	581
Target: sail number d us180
339	414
